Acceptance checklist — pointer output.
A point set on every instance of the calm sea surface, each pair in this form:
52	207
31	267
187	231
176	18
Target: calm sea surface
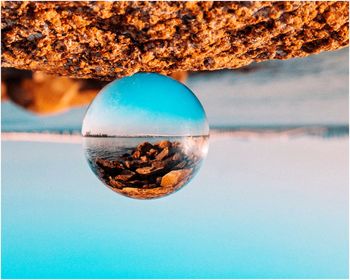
112	148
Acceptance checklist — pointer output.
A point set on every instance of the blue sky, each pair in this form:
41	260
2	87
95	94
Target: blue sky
146	104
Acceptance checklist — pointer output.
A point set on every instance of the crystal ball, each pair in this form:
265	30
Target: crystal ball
145	136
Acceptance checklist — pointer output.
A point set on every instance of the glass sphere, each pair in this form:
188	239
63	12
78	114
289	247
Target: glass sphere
145	136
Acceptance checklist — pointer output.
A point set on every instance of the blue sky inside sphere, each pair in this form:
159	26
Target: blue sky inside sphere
146	104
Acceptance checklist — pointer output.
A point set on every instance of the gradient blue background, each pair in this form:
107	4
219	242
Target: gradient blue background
261	208
271	207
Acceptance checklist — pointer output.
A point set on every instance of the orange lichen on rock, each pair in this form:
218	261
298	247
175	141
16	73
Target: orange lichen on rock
106	40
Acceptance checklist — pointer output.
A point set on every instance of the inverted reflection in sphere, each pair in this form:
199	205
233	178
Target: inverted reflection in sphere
145	136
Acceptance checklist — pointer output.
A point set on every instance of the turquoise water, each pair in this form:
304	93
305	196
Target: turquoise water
240	217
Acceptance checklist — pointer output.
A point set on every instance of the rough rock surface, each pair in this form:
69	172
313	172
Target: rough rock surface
105	40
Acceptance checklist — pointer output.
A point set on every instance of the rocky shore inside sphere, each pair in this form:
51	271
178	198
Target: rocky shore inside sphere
149	170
